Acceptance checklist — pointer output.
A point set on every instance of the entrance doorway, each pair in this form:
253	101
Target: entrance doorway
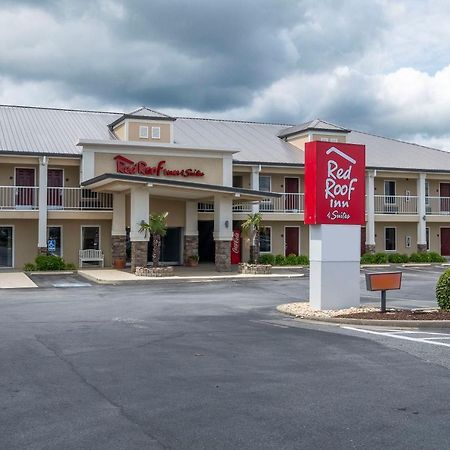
444	192
291	186
6	246
206	246
291	240
445	241
170	247
55	182
25	187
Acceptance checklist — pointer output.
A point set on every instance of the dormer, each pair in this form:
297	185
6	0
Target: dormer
315	130
144	125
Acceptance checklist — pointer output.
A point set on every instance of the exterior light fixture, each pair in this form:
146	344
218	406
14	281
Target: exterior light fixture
227	223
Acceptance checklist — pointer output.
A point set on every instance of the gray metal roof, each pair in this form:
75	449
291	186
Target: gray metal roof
29	130
316	124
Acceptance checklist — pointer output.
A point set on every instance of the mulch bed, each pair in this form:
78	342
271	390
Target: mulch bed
402	314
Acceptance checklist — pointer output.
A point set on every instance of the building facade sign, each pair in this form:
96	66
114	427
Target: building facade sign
129	167
334	183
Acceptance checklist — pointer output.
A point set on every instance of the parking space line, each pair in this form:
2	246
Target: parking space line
398	336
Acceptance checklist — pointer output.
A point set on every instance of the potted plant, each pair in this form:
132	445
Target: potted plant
119	263
157	227
192	261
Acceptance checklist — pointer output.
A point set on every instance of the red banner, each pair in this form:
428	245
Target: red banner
236	247
334	183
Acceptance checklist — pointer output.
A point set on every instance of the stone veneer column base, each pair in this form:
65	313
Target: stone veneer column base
370	248
42	250
223	256
421	248
190	247
139	254
119	248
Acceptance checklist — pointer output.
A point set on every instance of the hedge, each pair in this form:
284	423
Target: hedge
443	291
281	260
48	263
398	258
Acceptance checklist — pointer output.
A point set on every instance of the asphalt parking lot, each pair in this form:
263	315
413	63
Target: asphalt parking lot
212	366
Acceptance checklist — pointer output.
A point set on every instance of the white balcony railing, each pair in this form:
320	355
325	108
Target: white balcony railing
27	198
395	204
437	206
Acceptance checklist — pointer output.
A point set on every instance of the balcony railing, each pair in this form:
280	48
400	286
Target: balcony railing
27	198
395	204
287	203
437	206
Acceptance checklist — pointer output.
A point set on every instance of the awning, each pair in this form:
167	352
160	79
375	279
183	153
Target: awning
161	187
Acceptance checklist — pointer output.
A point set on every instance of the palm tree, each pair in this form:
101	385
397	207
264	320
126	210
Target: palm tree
253	226
157	228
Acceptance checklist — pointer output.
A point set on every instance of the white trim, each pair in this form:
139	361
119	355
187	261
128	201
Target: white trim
99	235
13	250
284	238
60	234
395	240
271	239
143	131
270	182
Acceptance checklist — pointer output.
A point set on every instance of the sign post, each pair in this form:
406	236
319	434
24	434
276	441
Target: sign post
335	211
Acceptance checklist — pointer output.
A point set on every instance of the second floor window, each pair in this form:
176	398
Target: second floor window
156	133
143	132
265	183
389	192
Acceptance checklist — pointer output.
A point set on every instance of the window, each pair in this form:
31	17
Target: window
427	232
265	239
143	132
90	237
325	139
333	140
389	192
238	181
6	246
54	240
156	132
427	193
265	183
389	238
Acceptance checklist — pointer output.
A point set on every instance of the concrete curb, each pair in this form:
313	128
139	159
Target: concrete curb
200	279
51	272
385	323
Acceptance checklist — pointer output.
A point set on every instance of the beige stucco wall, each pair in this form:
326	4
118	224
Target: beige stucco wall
299	142
402	230
133	131
119	131
401	185
278	236
212	167
25	238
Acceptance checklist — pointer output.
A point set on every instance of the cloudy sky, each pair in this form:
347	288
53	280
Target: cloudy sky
381	66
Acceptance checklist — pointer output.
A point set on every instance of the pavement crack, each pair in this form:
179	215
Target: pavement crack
101	394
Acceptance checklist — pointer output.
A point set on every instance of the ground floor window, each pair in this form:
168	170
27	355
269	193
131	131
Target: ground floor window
389	238
54	240
6	246
265	239
90	237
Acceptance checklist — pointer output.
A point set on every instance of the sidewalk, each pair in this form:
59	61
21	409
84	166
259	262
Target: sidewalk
12	280
200	273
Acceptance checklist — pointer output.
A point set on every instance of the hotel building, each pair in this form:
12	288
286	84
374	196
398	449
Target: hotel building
75	180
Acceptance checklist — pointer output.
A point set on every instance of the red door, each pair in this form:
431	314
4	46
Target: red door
291	187
54	184
24	192
445	241
445	196
292	240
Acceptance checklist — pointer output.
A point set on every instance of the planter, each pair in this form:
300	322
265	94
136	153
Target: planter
191	263
154	272
255	269
119	263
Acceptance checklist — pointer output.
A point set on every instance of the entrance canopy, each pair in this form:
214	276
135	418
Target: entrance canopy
116	182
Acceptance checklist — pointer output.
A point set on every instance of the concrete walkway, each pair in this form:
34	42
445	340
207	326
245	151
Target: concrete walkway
11	280
107	276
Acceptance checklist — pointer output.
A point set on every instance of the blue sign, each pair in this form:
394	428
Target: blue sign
51	245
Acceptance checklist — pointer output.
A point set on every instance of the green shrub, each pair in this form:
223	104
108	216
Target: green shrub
49	262
419	258
368	258
381	258
29	267
397	258
280	260
302	260
436	257
443	291
267	258
291	259
70	266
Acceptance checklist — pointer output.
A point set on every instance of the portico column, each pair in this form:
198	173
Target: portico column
42	222
191	231
370	210
421	210
254	185
223	232
139	211
118	231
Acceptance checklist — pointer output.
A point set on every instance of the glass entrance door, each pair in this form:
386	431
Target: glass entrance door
6	247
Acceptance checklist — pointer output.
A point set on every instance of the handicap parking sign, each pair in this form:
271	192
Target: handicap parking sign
51	245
